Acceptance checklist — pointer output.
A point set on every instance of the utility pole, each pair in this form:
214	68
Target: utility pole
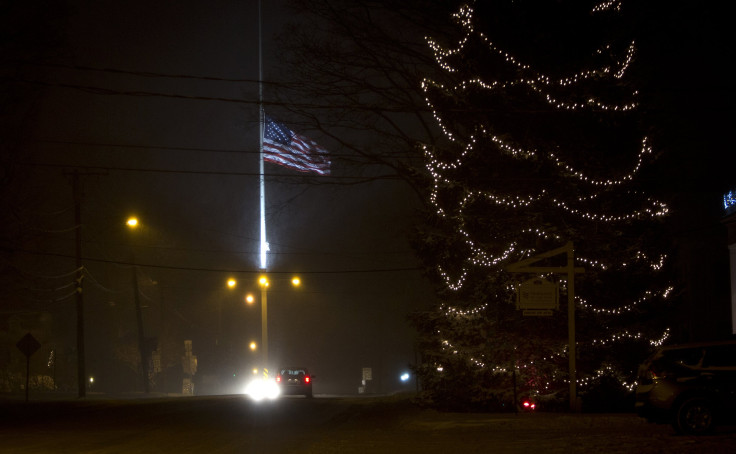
77	195
142	347
76	190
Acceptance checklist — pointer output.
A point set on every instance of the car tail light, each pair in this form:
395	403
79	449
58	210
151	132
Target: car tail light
278	379
654	373
307	379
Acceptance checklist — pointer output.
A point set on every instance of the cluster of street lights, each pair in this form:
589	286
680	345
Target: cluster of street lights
264	284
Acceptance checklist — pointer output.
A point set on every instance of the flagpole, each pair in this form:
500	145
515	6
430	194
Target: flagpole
261	124
264	243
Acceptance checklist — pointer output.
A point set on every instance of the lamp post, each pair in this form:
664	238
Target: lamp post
264	284
231	284
132	223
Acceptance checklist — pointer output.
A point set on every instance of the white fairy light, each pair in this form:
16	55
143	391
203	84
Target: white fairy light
648	295
594	191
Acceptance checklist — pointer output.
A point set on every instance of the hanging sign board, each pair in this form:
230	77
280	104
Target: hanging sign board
538	295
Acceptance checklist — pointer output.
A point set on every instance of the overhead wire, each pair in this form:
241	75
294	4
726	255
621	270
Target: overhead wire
142	93
149	147
347	180
96	281
106	91
143	73
253	270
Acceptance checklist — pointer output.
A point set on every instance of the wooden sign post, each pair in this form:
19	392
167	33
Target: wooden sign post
525	266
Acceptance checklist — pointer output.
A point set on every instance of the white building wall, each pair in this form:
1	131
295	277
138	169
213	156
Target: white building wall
732	249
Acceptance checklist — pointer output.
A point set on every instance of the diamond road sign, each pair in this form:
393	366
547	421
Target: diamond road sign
28	345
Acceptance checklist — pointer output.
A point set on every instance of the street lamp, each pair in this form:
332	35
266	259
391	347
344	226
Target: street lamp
132	223
264	283
253	346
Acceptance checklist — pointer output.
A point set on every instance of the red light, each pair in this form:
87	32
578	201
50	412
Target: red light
529	405
307	379
278	379
655	374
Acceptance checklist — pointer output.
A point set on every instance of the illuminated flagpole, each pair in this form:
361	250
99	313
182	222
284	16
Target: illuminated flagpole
264	243
261	125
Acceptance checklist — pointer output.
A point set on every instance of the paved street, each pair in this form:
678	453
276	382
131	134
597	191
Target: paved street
225	424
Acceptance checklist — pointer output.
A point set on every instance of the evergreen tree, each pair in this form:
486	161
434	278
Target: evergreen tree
544	145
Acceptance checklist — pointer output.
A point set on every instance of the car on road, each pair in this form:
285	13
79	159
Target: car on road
691	386
294	381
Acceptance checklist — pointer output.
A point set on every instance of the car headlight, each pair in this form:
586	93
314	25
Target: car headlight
259	389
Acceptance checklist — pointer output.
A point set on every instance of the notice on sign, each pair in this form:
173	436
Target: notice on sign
537	294
537	312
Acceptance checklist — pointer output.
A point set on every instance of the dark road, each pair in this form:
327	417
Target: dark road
234	424
206	424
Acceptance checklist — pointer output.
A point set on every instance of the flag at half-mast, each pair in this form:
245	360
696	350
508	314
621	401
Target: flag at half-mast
285	147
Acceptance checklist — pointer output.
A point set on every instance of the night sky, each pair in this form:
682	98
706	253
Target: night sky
188	169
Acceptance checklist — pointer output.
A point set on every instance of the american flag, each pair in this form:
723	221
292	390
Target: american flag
284	147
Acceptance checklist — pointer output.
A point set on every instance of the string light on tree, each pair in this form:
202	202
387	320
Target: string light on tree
501	193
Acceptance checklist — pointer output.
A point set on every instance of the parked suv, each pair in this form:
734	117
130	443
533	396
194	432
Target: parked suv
294	381
692	386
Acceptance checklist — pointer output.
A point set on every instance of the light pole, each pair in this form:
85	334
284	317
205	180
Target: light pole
132	223
264	284
231	284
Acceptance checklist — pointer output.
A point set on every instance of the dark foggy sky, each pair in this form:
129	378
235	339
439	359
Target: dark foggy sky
199	208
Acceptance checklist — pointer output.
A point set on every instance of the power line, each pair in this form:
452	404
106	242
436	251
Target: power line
145	73
199	149
218	270
140	93
144	147
338	180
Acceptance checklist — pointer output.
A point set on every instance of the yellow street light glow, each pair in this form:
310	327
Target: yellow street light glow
263	281
249	298
132	222
295	281
252	345
232	283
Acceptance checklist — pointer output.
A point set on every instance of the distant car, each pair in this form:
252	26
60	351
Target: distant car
294	381
692	386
